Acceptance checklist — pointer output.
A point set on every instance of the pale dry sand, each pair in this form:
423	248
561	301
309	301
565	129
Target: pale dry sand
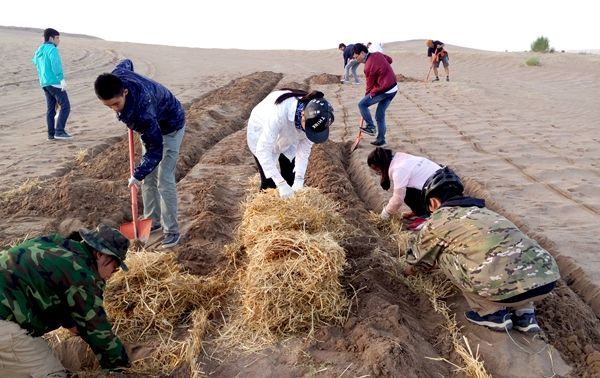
526	137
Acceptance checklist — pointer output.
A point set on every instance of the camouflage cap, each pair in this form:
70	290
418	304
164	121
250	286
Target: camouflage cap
107	240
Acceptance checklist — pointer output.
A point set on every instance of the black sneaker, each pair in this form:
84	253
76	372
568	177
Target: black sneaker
51	137
378	143
62	135
368	130
436	79
447	78
498	321
171	240
526	323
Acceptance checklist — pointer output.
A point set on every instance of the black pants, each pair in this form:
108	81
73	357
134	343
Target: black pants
544	289
286	168
414	200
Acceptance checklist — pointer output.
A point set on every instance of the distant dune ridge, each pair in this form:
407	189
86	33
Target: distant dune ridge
524	138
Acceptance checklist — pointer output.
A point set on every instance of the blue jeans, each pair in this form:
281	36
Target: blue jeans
352	65
383	100
54	96
159	188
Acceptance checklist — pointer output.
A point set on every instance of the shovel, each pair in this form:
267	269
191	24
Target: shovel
358	137
138	229
437	56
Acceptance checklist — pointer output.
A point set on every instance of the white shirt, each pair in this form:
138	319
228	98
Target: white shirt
271	132
407	171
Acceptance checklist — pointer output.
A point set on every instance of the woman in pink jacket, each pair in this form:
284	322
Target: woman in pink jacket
407	174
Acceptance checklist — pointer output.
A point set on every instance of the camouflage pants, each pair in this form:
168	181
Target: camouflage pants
484	306
24	356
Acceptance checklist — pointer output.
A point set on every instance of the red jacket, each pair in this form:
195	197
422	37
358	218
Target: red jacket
380	75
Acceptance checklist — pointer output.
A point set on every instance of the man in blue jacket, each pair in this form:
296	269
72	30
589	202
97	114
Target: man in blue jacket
150	109
350	64
52	80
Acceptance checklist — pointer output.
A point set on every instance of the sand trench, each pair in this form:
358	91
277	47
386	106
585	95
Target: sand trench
390	330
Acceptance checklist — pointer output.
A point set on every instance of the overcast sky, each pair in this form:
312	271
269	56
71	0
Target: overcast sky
317	24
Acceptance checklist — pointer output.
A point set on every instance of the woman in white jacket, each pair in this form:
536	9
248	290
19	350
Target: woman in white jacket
282	129
407	173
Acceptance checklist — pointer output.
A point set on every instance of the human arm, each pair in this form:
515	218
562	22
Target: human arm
426	249
266	134
85	300
301	162
395	203
125	64
153	143
56	64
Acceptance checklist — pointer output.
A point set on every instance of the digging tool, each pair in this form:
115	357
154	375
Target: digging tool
138	229
358	137
437	56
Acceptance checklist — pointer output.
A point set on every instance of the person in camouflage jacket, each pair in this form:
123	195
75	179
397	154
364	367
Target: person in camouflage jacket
493	263
51	281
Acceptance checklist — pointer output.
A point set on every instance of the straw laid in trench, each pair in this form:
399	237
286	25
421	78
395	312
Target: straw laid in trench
292	266
309	210
157	304
292	283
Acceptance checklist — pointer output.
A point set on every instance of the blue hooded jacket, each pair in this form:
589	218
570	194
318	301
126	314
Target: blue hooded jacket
49	65
151	110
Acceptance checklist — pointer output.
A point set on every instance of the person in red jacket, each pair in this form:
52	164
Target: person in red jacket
381	89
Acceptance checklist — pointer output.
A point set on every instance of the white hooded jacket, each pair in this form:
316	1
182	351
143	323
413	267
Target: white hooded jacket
271	132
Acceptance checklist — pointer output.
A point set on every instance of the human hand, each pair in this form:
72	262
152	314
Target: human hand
408	214
298	184
63	85
285	190
408	270
138	351
73	331
133	181
384	214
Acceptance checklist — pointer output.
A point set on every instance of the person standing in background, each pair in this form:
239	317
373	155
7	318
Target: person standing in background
52	80
437	53
350	64
381	89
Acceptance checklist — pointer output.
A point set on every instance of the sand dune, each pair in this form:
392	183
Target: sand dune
525	138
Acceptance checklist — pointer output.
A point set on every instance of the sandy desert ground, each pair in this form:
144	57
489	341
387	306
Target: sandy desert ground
524	138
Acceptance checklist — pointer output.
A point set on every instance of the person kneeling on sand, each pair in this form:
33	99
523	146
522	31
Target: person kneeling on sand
499	270
51	281
407	173
282	129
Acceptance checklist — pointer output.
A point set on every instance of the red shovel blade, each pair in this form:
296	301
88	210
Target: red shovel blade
358	137
356	141
142	226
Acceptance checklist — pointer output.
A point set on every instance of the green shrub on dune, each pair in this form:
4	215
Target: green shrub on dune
533	61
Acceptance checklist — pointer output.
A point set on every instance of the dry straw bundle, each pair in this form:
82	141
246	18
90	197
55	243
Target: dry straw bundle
291	283
309	210
157	304
291	278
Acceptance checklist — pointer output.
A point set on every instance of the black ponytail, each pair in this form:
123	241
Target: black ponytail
303	96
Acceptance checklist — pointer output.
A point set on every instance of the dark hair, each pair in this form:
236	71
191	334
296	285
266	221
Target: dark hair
50	33
108	86
342	45
381	158
303	96
359	47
